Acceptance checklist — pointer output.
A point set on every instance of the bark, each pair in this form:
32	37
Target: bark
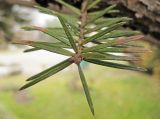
146	15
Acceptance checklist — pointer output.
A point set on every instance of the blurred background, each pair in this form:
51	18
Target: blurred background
117	94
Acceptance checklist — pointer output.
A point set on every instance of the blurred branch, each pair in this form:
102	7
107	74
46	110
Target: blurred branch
31	3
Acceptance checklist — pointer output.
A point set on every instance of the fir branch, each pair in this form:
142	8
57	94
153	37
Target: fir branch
92	28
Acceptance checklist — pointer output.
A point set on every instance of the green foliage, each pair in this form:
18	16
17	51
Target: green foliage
86	90
105	36
74	9
66	29
47	73
94	3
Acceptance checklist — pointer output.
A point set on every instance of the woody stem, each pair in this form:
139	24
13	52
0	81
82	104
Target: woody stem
83	20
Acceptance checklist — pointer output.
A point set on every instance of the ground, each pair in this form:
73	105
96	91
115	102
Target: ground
117	94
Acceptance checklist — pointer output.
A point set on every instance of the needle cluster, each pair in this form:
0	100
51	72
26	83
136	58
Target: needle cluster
91	37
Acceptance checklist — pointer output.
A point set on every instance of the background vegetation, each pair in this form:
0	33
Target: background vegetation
126	95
